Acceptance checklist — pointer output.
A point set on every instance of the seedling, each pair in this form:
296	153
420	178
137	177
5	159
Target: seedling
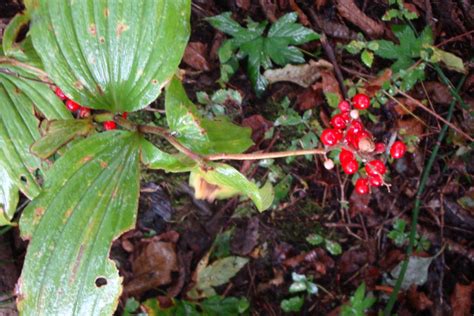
333	247
301	283
359	303
400	236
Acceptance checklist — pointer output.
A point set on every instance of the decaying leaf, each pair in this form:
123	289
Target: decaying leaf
195	55
417	272
152	267
461	299
303	75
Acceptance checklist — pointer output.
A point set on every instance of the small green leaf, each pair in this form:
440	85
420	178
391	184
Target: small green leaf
333	247
90	198
354	47
154	158
59	133
229	182
293	304
367	57
450	60
296	287
315	239
332	99
391	14
218	305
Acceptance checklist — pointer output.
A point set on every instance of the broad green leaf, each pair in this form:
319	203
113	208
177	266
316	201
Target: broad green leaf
19	100
295	33
226	181
59	133
367	57
202	135
154	158
111	55
219	273
229	306
8	197
90	197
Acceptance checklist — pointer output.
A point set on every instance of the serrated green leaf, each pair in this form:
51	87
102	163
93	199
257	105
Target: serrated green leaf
154	158
90	197
386	49
229	182
367	57
111	55
202	135
58	133
262	50
19	99
8	197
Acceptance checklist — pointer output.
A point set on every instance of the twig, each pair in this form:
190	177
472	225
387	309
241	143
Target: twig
416	208
436	115
270	155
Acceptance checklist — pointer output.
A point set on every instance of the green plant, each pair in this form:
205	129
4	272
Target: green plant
358	304
399	12
301	283
333	247
260	47
400	237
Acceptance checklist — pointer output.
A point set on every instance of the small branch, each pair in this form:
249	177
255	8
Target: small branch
271	155
436	115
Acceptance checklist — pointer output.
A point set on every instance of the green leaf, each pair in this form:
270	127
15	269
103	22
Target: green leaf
8	197
111	55
59	133
19	99
333	247
367	57
315	239
229	182
391	14
154	158
202	135
90	197
229	306
354	47
450	60
386	49
262	50
293	304
219	272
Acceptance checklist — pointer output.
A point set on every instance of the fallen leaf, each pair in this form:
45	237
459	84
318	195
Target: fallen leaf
259	126
438	92
352	260
245	239
351	12
406	106
309	99
152	267
419	300
303	75
195	55
416	274
330	83
372	86
461	299
303	19
410	127
269	9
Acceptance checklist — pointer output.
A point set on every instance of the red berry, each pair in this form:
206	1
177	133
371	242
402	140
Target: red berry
72	106
338	121
379	148
361	101
60	94
346	116
125	115
350	167
375	167
398	149
356	127
345	156
344	106
331	137
110	125
376	180
362	186
84	111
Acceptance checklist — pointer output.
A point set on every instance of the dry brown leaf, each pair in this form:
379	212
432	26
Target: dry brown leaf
418	300
269	7
461	300
309	99
195	55
406	106
303	75
438	92
320	3
301	16
351	12
373	86
152	267
330	83
411	127
259	126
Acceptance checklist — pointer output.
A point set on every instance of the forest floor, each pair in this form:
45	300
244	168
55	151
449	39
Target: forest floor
318	227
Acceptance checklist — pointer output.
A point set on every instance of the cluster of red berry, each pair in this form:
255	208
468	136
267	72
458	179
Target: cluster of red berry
357	144
82	111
